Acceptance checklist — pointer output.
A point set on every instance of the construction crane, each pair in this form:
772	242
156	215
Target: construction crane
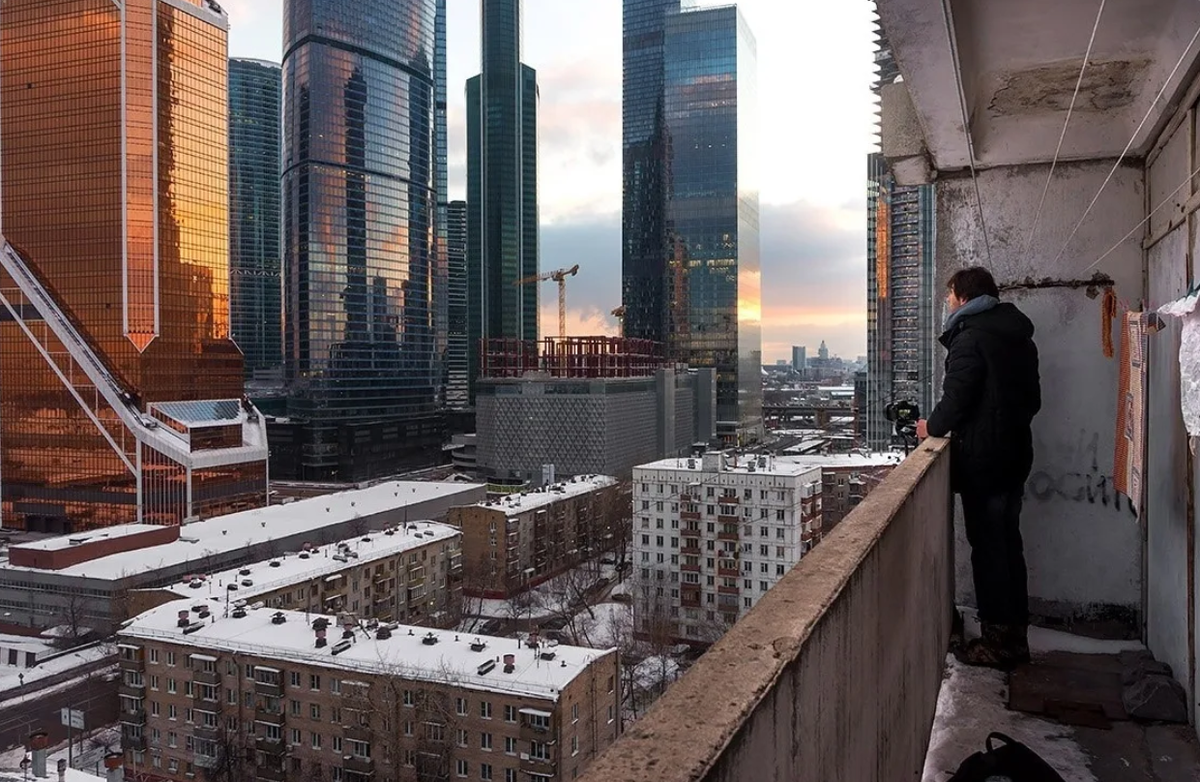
560	276
619	314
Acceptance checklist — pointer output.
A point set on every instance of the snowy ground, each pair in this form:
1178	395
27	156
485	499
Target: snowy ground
973	702
11	676
541	602
90	758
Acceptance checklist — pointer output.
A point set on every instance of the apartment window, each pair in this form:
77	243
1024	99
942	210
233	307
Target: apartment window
154	656
645	556
747	602
335	686
510	775
297	736
171	659
574	712
463	768
485	770
710	492
485	710
510	713
574	745
172	712
337	744
335	715
763	513
461	739
764	550
779	552
763	586
658	506
154	708
187	688
273	732
610	684
645	540
154	682
539	750
658	540
510	745
173	765
315	740
314	682
645	504
762	532
485	741
610	714
658	523
460	706
764	567
295	708
408	727
435	731
249	671
779	570
780	533
314	711
747	583
172	739
338	773
171	685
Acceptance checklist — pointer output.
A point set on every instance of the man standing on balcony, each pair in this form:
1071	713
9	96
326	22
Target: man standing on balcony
989	398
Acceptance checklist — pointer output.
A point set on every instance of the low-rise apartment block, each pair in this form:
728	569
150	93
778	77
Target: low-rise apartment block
408	573
846	479
269	695
521	540
712	534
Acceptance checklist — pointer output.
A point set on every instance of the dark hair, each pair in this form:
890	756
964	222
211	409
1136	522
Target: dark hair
973	282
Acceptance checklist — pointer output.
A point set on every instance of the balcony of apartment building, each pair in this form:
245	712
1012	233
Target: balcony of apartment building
841	671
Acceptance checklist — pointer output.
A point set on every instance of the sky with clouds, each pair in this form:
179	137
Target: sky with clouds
815	64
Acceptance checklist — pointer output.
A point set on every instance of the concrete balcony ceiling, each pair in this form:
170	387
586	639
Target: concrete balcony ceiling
1020	61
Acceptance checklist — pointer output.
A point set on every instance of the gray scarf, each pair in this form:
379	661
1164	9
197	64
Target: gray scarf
973	307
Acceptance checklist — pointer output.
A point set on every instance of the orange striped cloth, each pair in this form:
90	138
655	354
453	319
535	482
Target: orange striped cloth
1131	410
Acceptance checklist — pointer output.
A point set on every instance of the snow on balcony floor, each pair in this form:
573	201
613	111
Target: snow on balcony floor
973	703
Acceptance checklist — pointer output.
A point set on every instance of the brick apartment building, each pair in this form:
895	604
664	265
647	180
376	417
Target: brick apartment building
273	695
409	573
712	534
847	478
522	540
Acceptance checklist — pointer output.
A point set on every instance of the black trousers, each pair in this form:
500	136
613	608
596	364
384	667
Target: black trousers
993	523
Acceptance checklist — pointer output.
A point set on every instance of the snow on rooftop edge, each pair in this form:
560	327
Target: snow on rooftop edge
260	525
405	653
521	502
293	568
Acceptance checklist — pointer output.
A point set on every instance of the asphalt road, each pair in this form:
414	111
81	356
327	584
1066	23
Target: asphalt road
95	696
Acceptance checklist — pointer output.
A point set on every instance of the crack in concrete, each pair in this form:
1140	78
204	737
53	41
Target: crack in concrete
1093	285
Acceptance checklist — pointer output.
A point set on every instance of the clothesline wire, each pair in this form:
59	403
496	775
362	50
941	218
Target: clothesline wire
1063	135
947	17
1168	199
1128	146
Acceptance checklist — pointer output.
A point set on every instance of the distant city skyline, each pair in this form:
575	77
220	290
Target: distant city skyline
814	250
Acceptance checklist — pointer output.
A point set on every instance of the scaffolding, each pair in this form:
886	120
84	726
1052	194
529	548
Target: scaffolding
572	357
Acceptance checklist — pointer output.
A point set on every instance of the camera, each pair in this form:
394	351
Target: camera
905	416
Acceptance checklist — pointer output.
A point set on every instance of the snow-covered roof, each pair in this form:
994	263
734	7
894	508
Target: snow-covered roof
260	526
778	466
301	567
523	502
404	654
59	542
837	460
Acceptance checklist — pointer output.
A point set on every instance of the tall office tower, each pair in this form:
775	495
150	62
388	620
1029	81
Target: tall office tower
255	252
799	358
441	161
502	216
360	203
120	390
901	308
713	270
457	350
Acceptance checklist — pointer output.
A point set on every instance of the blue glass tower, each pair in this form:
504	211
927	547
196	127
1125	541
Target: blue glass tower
360	179
713	279
255	252
502	207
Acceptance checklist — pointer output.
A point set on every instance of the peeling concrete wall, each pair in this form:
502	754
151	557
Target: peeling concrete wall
835	673
1082	540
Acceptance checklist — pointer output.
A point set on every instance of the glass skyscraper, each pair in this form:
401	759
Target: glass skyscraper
458	349
120	389
441	160
692	272
360	179
502	206
901	311
255	252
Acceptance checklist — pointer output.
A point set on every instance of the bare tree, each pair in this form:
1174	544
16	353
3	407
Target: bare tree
568	598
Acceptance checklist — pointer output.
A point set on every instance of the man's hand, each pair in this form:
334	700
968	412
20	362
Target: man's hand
922	429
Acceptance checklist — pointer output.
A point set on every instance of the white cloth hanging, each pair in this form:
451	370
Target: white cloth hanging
1189	359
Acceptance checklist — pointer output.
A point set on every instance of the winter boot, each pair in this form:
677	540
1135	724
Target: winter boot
1017	643
989	651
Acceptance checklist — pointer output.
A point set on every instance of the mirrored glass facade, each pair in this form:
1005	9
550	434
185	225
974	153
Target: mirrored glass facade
502	217
901	311
116	204
255	251
713	270
441	268
360	202
458	362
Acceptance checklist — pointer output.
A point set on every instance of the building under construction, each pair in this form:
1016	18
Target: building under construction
585	405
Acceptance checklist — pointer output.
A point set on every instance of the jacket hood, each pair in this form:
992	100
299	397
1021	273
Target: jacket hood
1003	320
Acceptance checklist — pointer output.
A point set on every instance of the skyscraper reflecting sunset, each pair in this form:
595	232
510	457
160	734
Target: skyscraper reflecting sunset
120	390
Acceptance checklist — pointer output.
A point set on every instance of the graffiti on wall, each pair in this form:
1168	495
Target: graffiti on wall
1075	475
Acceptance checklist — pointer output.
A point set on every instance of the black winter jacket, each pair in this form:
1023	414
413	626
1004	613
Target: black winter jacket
991	394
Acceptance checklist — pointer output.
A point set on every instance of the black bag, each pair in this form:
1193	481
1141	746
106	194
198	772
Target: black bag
1012	761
